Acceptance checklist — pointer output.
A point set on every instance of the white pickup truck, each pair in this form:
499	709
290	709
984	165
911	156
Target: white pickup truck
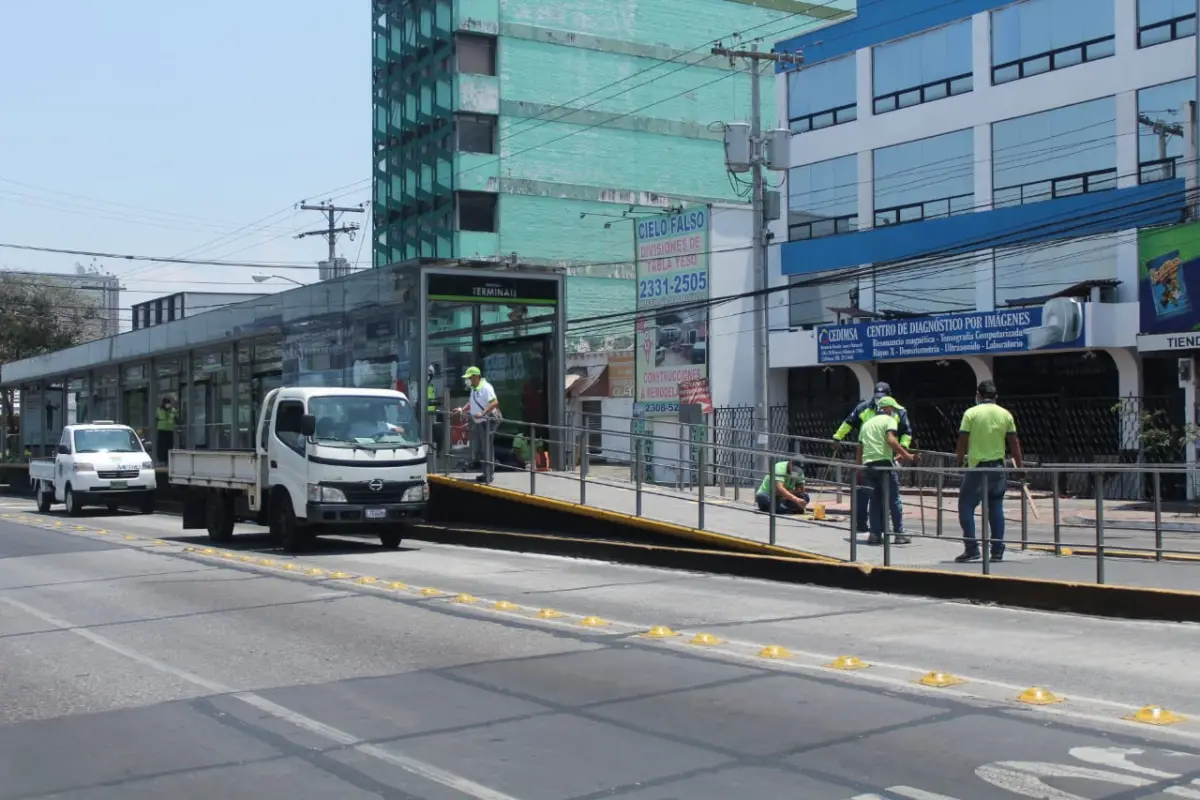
98	464
326	460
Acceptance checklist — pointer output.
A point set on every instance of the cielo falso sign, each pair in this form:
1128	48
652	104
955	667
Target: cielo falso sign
1056	325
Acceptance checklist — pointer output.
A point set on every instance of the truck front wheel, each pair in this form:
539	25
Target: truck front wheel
71	503
286	530
391	539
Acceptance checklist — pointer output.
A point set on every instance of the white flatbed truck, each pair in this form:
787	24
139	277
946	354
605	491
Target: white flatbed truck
97	464
327	460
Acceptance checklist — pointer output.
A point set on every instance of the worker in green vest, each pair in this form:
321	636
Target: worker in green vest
165	419
879	448
790	497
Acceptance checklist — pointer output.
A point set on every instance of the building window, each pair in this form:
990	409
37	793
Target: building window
823	198
1161	112
476	54
823	95
1060	153
1165	20
158	312
1028	273
1040	36
927	179
922	68
477	212
476	133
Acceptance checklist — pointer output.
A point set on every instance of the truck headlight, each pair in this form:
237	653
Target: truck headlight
147	464
325	494
83	466
415	494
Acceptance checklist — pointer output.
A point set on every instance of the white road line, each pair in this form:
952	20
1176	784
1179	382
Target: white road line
411	765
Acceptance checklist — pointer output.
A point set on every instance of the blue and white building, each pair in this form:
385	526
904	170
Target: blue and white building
977	159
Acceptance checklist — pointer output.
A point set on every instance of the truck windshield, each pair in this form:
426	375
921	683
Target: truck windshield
361	420
107	440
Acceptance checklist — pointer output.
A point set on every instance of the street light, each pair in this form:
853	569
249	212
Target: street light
260	277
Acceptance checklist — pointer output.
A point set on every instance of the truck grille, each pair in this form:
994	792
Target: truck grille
112	474
360	492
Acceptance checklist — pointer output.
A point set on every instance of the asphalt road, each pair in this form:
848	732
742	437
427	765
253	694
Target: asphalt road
133	664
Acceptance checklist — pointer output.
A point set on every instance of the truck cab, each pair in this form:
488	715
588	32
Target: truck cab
326	460
97	464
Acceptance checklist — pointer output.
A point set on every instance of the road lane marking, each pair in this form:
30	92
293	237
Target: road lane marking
411	765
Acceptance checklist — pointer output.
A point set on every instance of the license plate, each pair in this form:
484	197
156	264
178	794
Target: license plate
119	484
376	513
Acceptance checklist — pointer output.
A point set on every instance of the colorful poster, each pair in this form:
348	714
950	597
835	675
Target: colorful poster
1168	275
621	375
671	254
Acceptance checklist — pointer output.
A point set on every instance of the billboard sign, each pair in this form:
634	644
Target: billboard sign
1056	325
1168	279
671	256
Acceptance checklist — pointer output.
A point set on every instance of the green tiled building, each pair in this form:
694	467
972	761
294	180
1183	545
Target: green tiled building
539	127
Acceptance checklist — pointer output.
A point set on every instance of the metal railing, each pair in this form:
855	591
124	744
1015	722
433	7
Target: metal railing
689	481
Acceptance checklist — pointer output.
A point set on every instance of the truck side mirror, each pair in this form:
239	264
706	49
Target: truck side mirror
63	450
308	425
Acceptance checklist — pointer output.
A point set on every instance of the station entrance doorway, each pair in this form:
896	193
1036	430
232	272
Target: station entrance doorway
511	324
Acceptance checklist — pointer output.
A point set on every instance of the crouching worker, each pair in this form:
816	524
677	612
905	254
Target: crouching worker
790	497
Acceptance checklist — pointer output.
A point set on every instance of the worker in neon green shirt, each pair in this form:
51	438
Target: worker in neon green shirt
790	497
854	422
879	444
987	429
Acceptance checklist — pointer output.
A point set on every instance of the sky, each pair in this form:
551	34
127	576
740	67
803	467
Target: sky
191	129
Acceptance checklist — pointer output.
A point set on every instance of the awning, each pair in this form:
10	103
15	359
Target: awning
578	384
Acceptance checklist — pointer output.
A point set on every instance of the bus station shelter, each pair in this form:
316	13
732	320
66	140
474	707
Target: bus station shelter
377	328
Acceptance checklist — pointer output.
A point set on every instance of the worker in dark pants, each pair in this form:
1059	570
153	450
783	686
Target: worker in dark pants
878	446
483	411
904	432
790	497
986	429
165	419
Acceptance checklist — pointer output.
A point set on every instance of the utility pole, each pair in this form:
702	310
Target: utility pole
333	229
770	152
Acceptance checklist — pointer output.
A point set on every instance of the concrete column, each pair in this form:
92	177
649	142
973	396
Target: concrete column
1125	16
865	85
1127	139
981	51
1129	390
867	374
982	367
866	221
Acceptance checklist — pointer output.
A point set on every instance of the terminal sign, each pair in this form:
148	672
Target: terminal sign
1056	325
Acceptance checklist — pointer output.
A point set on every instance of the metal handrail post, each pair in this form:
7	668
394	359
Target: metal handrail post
984	541
1054	476
700	487
1158	530
533	460
885	486
941	488
1024	522
774	494
853	515
640	448
1100	527
583	467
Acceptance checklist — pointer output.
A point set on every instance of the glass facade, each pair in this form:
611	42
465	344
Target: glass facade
1038	36
923	68
1165	20
926	179
823	198
413	143
936	286
1059	153
823	95
1160	129
1043	269
810	298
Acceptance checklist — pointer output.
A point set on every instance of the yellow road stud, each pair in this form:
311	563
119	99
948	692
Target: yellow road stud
1037	696
659	632
704	639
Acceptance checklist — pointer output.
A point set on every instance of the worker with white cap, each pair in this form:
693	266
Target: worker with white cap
483	411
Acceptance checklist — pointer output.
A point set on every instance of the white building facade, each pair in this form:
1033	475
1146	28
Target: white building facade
969	180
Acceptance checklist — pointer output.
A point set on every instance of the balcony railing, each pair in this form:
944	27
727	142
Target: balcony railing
1167	31
926	209
1059	58
818	228
1160	169
1054	188
824	119
925	93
